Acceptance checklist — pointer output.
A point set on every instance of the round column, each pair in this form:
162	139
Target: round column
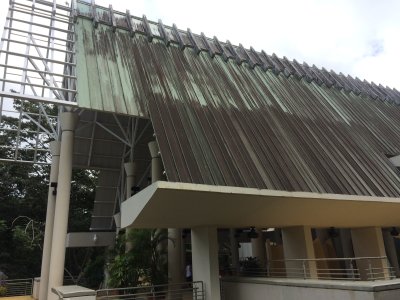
48	232
68	122
156	163
130	170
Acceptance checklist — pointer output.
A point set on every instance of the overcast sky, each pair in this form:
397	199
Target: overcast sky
356	37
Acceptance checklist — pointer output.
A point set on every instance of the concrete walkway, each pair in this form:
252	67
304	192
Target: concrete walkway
17	298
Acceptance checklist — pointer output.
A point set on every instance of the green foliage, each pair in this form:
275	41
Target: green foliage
3	290
82	199
144	263
93	272
23	202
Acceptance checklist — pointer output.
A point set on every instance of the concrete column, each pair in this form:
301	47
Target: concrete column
48	232
347	250
205	260
156	163
234	250
175	268
258	248
130	170
298	244
68	122
391	251
156	171
368	242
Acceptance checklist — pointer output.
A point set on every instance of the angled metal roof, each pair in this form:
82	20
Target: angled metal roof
224	115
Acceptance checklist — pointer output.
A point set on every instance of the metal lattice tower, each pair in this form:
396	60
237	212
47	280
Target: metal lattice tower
37	63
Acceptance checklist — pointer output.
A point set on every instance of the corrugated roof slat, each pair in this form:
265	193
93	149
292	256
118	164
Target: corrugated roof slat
224	122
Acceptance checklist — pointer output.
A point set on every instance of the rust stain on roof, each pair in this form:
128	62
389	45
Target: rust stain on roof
242	118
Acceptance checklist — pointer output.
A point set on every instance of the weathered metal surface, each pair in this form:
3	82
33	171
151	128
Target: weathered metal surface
124	21
226	120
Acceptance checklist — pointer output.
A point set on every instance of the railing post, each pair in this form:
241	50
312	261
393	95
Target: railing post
304	269
391	270
352	266
195	292
370	269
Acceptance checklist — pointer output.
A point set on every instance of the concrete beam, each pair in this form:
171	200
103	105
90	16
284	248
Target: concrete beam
90	239
179	205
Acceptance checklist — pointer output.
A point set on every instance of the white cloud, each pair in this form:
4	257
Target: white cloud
357	37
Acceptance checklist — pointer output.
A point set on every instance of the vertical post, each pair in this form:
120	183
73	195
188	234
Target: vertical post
258	248
368	242
68	122
298	244
48	232
391	252
347	250
234	250
156	163
130	169
205	260
175	268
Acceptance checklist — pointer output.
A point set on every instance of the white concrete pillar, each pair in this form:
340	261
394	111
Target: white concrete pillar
48	232
298	244
156	162
205	260
234	250
391	251
368	242
258	248
130	170
156	172
68	122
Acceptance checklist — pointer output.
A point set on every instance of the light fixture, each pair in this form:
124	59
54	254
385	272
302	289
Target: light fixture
252	234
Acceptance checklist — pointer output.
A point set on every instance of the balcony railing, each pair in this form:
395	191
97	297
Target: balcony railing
181	291
17	287
355	268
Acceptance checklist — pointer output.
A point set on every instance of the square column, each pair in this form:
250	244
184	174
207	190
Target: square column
368	242
297	245
205	260
391	251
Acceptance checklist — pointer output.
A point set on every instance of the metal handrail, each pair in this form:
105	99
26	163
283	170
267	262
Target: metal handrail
17	287
171	291
355	268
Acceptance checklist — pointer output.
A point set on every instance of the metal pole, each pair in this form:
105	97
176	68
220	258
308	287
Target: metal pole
304	270
370	270
48	233
68	122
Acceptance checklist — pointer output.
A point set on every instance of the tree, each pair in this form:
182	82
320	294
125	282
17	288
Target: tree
145	263
23	202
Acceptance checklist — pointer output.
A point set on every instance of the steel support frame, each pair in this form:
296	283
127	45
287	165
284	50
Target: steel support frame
37	61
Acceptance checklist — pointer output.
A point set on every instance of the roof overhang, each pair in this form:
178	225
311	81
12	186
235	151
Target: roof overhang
183	205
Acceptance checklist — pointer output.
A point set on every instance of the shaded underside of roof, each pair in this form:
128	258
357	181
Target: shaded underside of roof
225	122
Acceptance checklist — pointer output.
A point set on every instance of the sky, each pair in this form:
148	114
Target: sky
356	37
